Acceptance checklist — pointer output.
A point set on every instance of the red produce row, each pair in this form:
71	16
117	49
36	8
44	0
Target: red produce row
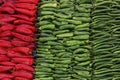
17	39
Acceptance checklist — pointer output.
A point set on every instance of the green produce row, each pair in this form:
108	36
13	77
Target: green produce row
105	39
78	40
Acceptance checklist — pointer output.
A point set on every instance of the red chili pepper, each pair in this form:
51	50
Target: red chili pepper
26	12
6	38
25	5
6	34
2	51
29	1
24	30
5	68
22	22
6	79
23	74
5	75
6	27
7	64
32	28
7	9
8	4
23	37
13	54
9	19
24	67
4	43
3	58
23	50
20	78
19	43
21	16
27	61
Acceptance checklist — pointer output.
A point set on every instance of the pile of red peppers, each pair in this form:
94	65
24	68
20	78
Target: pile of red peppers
17	31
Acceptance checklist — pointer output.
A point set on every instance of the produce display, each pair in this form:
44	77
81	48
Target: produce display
63	44
17	37
105	39
59	39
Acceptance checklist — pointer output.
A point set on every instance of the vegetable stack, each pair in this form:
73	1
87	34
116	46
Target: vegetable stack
17	39
105	39
63	47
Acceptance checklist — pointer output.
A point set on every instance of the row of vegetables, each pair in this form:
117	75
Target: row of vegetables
63	48
17	37
105	39
76	40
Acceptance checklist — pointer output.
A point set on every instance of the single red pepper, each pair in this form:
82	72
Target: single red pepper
24	17
24	30
24	67
29	1
27	61
5	68
6	27
7	9
6	34
32	28
4	43
23	37
6	79
4	58
26	12
13	54
5	75
9	19
19	43
25	5
22	73
21	78
23	50
6	38
8	4
23	22
7	64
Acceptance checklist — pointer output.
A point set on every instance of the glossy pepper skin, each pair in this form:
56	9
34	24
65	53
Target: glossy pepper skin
5	43
24	30
24	67
25	11
7	27
29	6
23	17
7	9
5	75
27	60
19	43
22	73
5	68
22	22
7	63
24	50
23	37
